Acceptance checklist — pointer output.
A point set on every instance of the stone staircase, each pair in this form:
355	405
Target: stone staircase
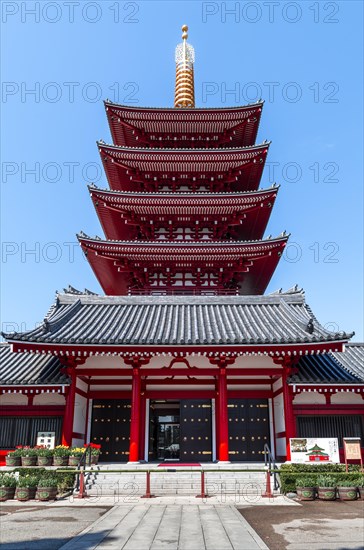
220	480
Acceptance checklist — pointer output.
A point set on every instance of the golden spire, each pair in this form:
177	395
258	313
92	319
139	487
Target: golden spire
185	88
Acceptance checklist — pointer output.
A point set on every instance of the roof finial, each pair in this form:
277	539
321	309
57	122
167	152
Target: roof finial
185	58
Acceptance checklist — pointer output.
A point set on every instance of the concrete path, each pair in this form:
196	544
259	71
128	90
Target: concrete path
172	527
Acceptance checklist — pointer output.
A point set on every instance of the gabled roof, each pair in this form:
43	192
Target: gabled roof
22	368
277	319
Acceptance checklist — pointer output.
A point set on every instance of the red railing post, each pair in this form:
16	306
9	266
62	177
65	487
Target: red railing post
82	489
147	486
203	493
268	489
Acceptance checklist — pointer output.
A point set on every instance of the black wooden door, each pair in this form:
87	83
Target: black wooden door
195	430
248	429
111	428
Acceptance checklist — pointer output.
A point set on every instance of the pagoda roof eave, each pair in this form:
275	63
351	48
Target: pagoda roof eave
163	245
130	108
175	151
182	194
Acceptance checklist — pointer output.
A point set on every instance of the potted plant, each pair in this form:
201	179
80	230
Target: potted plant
60	455
347	489
7	487
13	458
95	453
360	484
47	488
26	487
326	487
44	456
28	456
306	488
76	454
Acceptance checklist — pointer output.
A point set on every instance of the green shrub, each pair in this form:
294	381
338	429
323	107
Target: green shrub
16	452
61	450
326	481
37	472
344	482
44	451
28	451
27	481
360	481
306	481
49	481
7	480
289	472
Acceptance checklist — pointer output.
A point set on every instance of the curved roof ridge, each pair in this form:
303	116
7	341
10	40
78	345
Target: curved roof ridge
188	109
261	191
180	244
152	150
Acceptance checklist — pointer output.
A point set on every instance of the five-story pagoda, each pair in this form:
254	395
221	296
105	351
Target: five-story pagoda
184	214
184	358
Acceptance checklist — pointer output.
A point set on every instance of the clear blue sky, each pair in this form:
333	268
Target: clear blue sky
303	58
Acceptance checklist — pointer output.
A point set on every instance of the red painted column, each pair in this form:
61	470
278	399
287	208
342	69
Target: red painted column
143	405
217	419
289	417
135	417
223	446
67	428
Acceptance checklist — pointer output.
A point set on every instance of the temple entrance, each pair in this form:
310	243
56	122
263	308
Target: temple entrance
164	430
180	430
110	428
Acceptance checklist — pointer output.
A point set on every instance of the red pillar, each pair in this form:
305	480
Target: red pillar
143	405
67	429
223	446
135	417
217	420
289	417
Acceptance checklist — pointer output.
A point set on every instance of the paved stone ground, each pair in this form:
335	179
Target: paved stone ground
312	525
25	527
172	527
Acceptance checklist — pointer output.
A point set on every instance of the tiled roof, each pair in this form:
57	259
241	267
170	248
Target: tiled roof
278	318
352	359
25	368
329	368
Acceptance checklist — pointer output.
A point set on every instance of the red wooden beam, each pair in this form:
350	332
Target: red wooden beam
209	350
179	381
169	371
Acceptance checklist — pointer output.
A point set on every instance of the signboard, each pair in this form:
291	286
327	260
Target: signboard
308	450
352	450
46	439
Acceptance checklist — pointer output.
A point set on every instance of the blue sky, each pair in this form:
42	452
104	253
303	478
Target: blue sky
303	58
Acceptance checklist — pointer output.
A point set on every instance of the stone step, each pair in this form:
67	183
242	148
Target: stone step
175	483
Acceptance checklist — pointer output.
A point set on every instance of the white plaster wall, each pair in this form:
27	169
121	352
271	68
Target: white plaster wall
46	399
309	398
277	384
13	399
80	414
81	385
346	398
77	442
278	406
281	446
254	362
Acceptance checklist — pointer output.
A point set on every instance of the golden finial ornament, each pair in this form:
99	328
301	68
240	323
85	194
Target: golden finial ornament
185	88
